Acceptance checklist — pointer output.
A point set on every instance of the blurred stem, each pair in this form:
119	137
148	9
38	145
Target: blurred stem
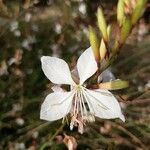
52	138
26	4
114	56
108	63
145	48
134	138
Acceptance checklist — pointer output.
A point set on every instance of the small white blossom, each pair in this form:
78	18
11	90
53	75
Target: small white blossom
28	17
58	28
17	33
20	146
26	43
82	103
14	26
35	27
3	68
35	135
20	121
82	8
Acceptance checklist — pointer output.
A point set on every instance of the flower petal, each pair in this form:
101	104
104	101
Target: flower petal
86	65
75	75
56	105
106	76
56	70
104	104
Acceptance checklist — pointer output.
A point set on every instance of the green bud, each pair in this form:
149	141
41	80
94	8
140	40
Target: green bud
114	85
94	43
127	2
138	11
115	48
103	50
102	24
125	30
109	31
120	12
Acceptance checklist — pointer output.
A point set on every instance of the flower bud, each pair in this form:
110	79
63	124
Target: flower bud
94	43
125	30
102	24
114	85
102	49
120	12
138	11
109	31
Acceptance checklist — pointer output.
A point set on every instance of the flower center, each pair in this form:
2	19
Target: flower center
78	88
81	111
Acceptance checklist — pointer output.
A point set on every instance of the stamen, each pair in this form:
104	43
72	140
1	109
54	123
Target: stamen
89	104
90	117
75	104
84	107
81	114
81	107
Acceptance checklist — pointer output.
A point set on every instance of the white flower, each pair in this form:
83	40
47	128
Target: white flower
82	103
82	8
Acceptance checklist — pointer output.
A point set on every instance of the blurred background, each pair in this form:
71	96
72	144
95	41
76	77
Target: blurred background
32	28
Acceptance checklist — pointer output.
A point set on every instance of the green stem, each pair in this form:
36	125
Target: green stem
52	138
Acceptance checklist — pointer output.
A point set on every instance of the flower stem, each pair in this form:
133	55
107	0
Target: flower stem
52	138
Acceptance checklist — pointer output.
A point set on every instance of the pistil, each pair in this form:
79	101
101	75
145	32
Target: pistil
81	114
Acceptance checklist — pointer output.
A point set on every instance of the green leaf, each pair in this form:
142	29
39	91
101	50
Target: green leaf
102	24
